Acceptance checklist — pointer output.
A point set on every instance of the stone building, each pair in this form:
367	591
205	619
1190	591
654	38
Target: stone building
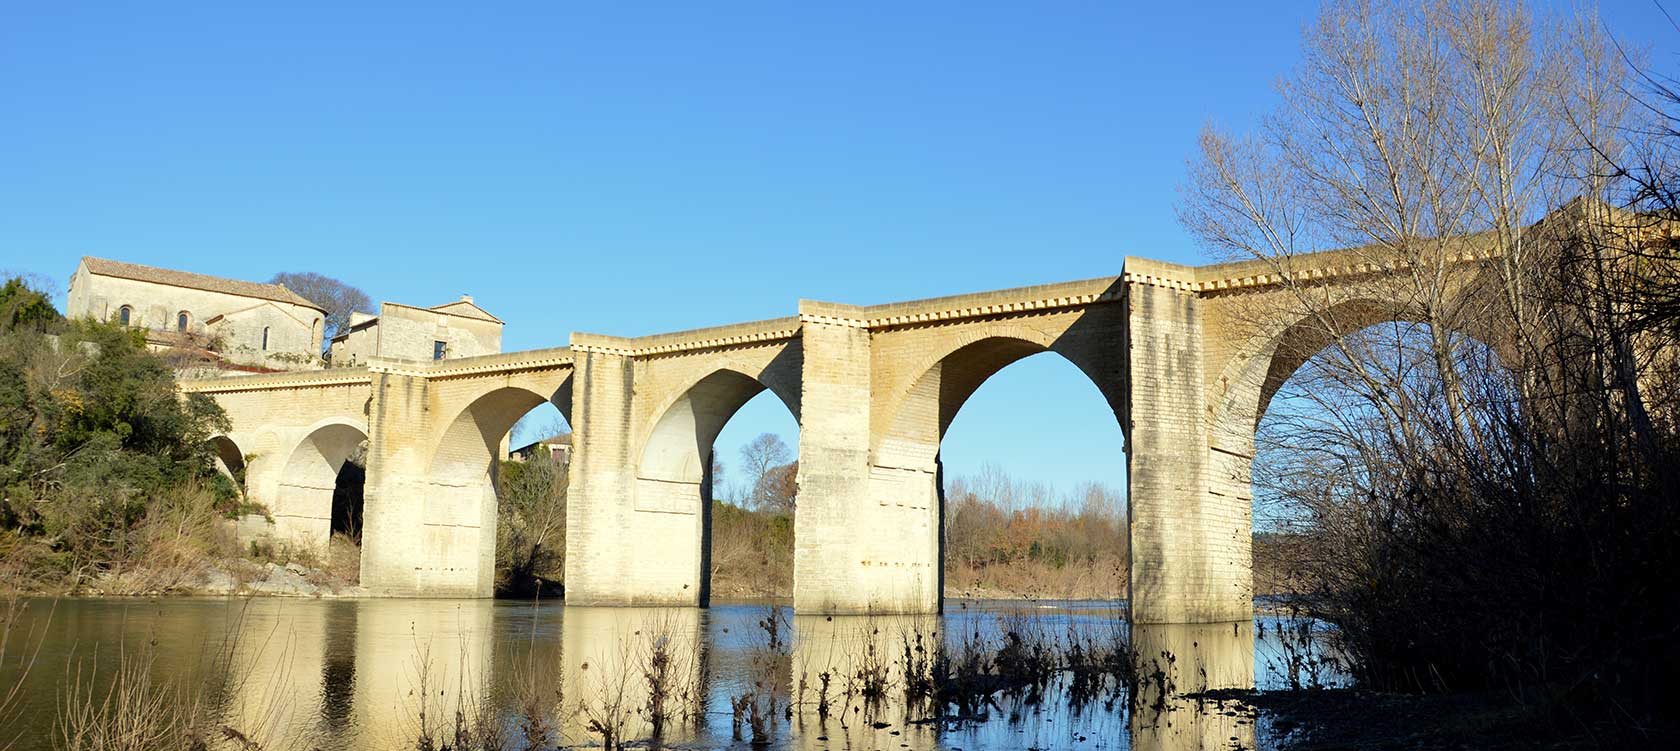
245	323
441	332
557	449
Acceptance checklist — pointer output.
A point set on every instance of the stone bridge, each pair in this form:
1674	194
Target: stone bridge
1186	357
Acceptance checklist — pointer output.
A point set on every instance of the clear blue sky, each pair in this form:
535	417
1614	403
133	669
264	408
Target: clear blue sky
635	170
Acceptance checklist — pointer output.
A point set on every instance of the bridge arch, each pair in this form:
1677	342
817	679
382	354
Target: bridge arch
1267	358
906	476
303	508
673	483
469	443
919	414
1262	365
229	459
458	517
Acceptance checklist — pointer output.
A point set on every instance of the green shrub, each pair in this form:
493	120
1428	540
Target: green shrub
96	443
530	526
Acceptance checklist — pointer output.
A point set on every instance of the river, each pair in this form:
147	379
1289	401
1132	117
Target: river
381	674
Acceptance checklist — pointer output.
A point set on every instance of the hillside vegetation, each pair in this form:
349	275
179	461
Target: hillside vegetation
105	470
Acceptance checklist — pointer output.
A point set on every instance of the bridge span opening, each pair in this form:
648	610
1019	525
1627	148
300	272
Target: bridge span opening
1323	442
676	492
320	484
753	482
1032	478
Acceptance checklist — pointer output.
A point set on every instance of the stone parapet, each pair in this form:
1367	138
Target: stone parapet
732	335
957	307
269	381
505	362
1321	266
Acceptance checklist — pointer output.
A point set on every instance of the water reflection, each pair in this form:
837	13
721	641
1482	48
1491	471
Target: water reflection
852	670
623	669
1180	659
338	669
380	674
417	666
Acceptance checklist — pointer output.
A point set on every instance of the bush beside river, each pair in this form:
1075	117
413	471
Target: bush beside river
107	474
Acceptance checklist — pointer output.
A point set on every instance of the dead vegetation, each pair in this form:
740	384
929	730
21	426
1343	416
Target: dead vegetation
1478	447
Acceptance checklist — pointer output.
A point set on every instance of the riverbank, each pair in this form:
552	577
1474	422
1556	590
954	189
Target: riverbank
282	577
1346	718
266	571
233	577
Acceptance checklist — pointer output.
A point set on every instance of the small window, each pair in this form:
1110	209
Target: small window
181	321
124	314
265	338
439	350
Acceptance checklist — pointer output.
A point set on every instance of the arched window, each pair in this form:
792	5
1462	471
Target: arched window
265	339
124	313
181	321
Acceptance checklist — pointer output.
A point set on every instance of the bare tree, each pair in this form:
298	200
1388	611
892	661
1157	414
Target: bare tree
758	458
1415	136
1468	431
720	485
777	490
337	298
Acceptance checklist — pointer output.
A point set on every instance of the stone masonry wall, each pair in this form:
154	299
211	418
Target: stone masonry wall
873	388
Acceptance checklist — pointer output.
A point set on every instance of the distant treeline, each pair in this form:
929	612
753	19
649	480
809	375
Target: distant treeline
993	519
1003	538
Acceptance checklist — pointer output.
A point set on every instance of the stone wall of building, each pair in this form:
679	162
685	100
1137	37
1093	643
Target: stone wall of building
410	333
267	335
358	343
233	324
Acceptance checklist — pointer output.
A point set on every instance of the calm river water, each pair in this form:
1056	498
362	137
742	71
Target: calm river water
375	674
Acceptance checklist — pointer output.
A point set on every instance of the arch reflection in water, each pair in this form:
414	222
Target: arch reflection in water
277	685
417	666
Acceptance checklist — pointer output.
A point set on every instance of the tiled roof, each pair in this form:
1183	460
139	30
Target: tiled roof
173	278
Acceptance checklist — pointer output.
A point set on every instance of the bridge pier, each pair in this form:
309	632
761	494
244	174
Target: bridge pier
1190	547
859	546
624	546
393	494
424	533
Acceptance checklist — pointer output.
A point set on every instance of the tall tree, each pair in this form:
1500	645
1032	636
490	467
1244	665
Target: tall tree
778	489
337	298
22	304
1450	487
758	458
720	487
